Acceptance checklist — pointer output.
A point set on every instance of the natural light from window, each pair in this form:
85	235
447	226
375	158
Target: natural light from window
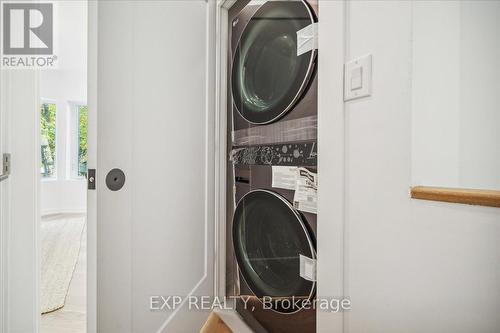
48	140
82	141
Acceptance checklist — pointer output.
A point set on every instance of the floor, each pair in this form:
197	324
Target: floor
72	317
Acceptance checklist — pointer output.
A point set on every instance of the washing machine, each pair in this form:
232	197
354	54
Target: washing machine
272	138
272	71
270	237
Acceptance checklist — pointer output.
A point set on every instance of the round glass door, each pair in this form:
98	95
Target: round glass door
269	236
268	77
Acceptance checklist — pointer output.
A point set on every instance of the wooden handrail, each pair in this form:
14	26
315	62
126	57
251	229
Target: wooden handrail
454	195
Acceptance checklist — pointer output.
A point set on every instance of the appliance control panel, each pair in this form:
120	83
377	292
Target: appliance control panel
286	154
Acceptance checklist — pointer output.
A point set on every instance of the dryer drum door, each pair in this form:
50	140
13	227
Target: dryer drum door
269	235
268	77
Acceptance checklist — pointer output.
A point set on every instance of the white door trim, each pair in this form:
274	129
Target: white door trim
21	203
222	49
3	215
92	164
331	162
3	209
38	215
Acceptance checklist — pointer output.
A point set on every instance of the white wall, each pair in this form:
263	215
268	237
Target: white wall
66	86
436	93
480	95
63	196
456	94
411	266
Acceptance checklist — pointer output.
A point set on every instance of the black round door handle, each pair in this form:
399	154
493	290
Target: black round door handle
115	180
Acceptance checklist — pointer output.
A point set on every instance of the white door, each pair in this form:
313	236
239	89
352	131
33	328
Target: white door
155	122
19	209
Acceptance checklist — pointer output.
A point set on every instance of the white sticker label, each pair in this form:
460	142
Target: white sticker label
307	39
307	268
284	177
306	191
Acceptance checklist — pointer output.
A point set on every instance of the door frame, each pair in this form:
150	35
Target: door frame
92	42
331	246
222	49
26	177
3	215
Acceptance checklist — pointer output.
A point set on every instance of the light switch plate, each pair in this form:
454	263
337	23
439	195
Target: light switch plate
358	78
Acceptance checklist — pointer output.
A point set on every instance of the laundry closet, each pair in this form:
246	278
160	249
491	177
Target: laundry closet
275	153
272	163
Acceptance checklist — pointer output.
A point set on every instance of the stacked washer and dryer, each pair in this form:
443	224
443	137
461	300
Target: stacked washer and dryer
272	131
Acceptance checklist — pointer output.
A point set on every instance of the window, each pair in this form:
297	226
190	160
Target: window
48	140
79	139
82	141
